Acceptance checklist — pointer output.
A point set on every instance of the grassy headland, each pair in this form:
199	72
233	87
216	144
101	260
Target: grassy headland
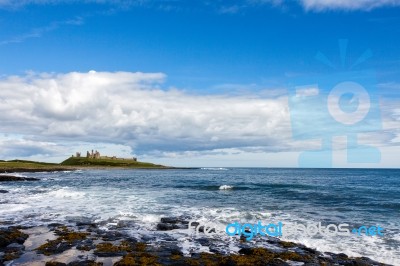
74	163
108	162
29	166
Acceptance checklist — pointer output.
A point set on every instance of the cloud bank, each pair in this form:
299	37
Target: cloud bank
126	113
350	5
134	110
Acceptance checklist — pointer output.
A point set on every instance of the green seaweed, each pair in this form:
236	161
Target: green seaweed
66	238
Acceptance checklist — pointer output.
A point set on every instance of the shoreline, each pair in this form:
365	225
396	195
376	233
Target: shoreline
86	243
73	164
76	168
152	234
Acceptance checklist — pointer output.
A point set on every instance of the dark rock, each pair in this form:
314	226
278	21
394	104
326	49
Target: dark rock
11	235
107	249
310	250
15	247
110	253
85	263
164	227
175	220
85	245
182	226
176	252
125	224
148	238
169	220
342	256
54	247
278	262
203	241
32	170
246	251
55	263
214	250
54	225
5	178
111	236
3	191
170	223
81	221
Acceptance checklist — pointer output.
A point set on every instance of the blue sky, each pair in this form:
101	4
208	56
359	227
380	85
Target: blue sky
233	59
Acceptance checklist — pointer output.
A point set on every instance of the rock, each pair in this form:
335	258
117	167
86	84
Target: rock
81	221
176	251
126	224
85	263
15	247
111	236
246	251
55	263
86	245
170	223
11	235
203	241
164	227
214	249
107	249
54	247
3	191
169	220
5	178
310	250
279	262
54	225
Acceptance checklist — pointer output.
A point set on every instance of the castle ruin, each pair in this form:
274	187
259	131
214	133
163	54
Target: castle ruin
93	155
96	155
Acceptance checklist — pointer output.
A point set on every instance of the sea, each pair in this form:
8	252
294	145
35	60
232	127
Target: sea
357	197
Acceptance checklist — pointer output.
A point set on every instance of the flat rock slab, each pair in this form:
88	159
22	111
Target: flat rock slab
7	178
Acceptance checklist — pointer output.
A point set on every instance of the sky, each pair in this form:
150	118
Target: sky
247	83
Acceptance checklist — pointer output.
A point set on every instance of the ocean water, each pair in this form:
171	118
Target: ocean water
357	197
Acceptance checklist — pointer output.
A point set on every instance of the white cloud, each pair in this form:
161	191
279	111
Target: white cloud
38	32
305	92
320	5
54	115
16	147
132	109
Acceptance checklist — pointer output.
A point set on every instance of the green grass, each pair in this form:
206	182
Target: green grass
108	162
72	163
26	164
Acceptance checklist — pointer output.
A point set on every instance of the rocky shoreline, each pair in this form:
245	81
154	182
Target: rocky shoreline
87	243
35	170
75	168
11	178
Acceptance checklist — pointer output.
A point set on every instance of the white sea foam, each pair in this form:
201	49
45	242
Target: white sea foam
111	205
66	193
13	174
215	168
225	187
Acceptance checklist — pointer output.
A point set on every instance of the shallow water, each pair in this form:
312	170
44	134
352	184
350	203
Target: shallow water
218	195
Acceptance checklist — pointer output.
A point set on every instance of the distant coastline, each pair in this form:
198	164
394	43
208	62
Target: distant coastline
73	163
